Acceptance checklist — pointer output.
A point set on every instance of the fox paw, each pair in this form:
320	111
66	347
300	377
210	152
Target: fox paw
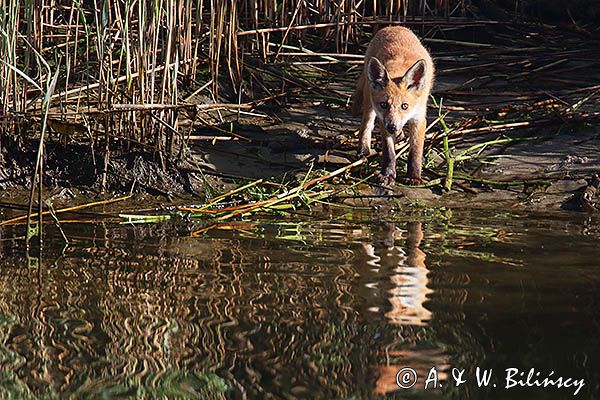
385	180
363	152
412	181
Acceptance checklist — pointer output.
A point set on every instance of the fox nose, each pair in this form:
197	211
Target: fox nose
391	128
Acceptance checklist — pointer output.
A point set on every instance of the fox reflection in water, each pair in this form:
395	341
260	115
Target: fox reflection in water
406	292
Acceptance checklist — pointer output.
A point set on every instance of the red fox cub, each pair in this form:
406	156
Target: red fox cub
393	89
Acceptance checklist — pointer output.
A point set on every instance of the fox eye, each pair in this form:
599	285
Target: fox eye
384	105
404	106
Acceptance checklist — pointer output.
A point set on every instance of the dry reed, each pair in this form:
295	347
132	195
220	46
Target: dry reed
113	52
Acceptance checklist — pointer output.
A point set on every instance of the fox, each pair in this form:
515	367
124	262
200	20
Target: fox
393	89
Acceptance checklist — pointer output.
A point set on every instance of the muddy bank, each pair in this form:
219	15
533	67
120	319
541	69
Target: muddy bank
85	168
548	173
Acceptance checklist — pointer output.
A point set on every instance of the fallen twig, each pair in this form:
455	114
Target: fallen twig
67	209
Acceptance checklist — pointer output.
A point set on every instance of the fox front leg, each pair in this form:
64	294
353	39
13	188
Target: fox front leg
388	167
366	129
416	137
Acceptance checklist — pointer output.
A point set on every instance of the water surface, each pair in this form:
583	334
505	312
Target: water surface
295	307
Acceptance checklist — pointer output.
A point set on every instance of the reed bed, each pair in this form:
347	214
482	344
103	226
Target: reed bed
107	54
132	75
118	74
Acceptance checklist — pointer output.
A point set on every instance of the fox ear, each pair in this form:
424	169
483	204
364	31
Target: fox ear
377	74
415	77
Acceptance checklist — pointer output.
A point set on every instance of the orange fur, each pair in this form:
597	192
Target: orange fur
393	90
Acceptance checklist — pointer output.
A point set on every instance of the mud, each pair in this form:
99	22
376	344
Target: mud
553	170
80	167
543	174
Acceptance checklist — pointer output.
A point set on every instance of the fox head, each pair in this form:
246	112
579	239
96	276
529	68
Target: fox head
395	101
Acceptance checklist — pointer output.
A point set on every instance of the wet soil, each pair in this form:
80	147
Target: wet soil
83	168
552	170
547	173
